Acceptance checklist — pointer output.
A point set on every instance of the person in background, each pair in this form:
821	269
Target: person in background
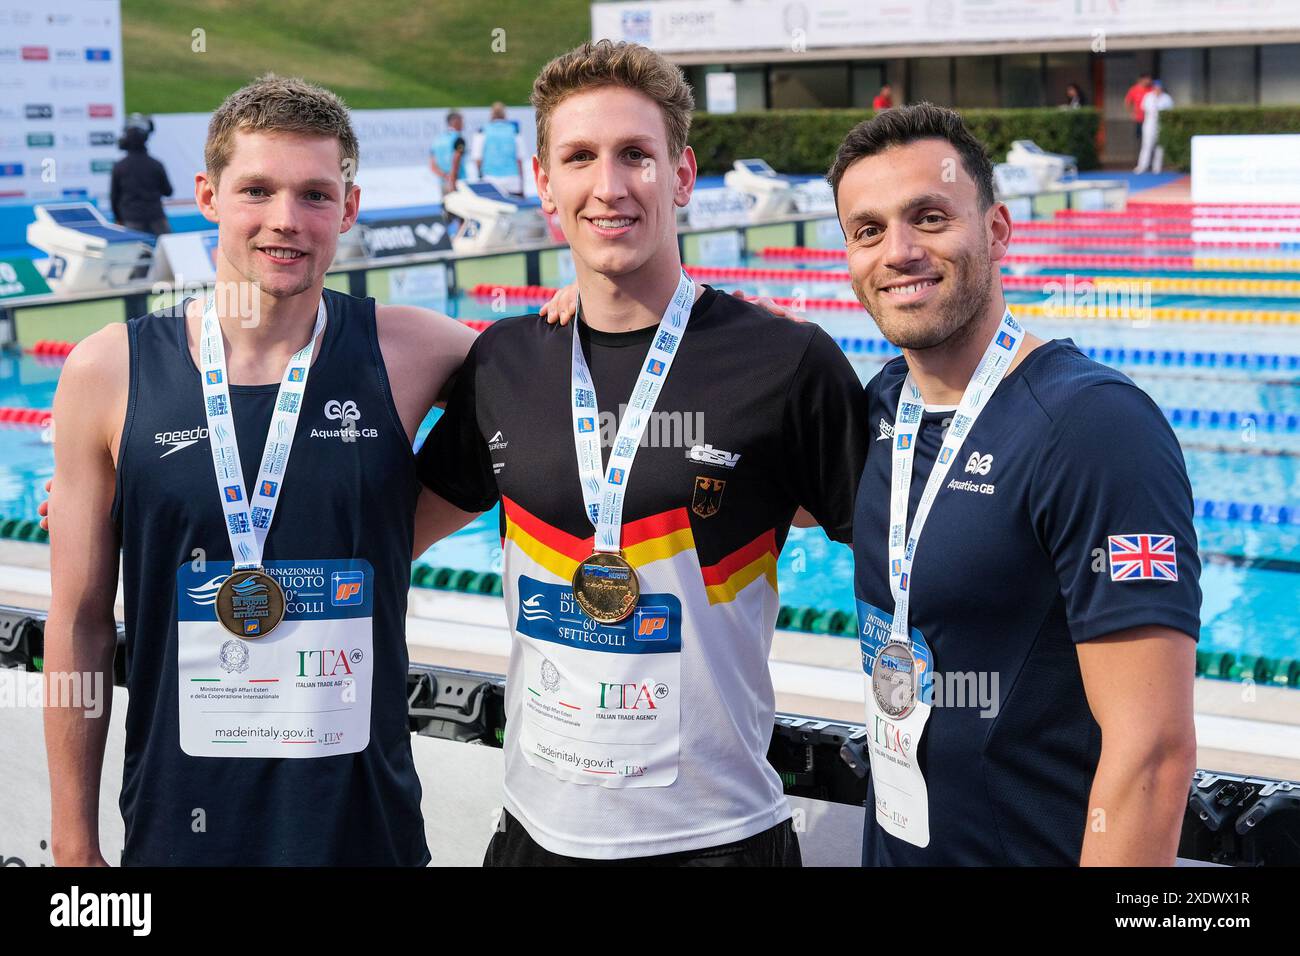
1152	154
447	155
497	153
1133	100
884	99
1074	96
139	182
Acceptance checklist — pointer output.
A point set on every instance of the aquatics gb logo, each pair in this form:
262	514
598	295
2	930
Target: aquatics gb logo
342	411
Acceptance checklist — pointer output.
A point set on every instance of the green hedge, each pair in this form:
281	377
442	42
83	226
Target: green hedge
1178	126
804	141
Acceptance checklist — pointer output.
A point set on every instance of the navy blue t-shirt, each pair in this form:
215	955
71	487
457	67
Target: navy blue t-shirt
1068	471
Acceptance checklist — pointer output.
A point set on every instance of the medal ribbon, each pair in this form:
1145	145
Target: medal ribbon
602	494
248	518
999	355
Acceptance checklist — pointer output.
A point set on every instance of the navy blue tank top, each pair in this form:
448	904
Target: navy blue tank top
341	500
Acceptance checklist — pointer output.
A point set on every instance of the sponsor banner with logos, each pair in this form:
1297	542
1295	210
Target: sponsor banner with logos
400	237
680	26
60	98
20	277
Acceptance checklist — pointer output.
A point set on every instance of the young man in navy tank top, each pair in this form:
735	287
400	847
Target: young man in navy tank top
267	720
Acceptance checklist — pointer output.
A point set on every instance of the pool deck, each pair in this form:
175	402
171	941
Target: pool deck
1240	728
1178	191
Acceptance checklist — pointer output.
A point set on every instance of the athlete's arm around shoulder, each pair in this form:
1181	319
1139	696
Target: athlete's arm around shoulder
423	350
81	633
824	432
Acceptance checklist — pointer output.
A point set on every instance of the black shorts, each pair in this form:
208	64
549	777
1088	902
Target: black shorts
512	846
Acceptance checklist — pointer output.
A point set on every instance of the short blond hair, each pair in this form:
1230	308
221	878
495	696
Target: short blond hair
283	104
605	63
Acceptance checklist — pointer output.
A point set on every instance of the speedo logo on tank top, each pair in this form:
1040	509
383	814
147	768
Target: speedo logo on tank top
346	413
179	439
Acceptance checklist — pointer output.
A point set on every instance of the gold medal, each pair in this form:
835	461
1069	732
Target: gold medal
250	604
606	587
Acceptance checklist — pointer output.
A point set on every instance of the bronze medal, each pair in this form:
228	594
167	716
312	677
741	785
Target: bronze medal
250	604
606	588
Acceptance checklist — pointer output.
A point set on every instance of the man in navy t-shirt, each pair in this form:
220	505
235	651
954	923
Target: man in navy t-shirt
1033	705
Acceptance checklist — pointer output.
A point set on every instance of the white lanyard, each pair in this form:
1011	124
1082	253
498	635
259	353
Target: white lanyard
999	355
603	495
248	519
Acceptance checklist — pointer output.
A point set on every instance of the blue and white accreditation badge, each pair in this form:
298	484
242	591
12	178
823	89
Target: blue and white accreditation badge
601	701
899	689
301	689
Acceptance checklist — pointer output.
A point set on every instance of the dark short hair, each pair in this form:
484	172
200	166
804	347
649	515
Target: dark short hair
453	116
908	124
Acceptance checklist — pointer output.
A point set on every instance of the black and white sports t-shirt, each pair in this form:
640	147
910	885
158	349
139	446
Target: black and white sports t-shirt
650	736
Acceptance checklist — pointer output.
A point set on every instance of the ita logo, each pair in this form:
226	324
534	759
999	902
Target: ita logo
639	697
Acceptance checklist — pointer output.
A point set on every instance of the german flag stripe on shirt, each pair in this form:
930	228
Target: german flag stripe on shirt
654	538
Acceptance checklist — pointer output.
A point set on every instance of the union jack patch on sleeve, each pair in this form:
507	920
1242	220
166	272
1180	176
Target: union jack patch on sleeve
1143	557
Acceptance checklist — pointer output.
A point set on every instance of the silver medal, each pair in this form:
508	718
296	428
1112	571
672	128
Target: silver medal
893	681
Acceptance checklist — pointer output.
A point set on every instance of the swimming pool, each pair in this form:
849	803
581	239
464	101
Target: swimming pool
1242	463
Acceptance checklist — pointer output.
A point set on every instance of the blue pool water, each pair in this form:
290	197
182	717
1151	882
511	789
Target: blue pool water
1251	578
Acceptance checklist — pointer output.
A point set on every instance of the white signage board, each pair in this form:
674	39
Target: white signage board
680	26
717	207
720	92
60	99
1246	169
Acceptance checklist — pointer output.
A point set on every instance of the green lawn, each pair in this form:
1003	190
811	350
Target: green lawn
376	54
